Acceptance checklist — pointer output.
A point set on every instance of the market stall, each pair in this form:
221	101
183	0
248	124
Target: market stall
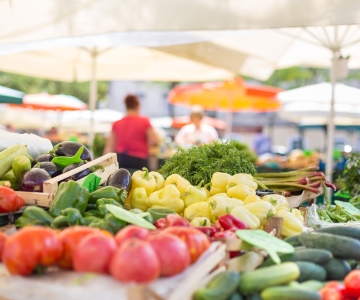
179	233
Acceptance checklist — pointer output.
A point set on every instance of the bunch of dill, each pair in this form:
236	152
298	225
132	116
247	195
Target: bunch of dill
201	162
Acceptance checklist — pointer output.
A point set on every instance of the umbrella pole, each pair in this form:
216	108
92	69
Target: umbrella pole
330	125
93	97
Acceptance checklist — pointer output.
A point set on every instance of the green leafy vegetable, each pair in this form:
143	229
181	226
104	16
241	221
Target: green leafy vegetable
201	162
350	179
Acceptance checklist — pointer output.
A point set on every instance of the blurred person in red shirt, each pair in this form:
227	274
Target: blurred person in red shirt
131	137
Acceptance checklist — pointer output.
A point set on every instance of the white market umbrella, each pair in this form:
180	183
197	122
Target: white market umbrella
26	21
312	104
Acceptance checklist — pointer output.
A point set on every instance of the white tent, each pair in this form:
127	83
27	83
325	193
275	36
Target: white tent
24	20
312	103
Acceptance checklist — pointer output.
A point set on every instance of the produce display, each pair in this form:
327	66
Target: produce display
323	265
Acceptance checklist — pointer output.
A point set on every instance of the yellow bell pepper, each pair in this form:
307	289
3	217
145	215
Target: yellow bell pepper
200	221
179	182
246	216
251	199
298	214
218	183
160	181
240	191
143	179
242	179
262	210
194	194
222	205
291	225
198	209
139	199
168	197
277	200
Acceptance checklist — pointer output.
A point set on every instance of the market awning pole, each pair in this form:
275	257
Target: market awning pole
93	97
331	126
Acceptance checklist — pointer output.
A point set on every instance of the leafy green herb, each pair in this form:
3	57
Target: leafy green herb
350	179
201	162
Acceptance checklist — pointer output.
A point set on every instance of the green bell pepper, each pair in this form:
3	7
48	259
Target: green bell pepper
119	195
68	217
89	219
69	195
34	215
109	223
158	213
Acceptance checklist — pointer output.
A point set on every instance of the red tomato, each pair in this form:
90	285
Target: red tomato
3	239
352	283
135	261
131	231
70	238
29	248
197	242
8	200
172	253
333	290
86	256
20	202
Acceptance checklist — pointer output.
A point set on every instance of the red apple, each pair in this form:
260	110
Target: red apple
93	254
131	231
172	252
135	261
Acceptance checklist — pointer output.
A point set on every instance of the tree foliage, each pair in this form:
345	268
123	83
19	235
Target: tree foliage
32	85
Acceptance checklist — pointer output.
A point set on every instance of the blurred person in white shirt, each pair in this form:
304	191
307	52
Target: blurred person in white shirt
196	133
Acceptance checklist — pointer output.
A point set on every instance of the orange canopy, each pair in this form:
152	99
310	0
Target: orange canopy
227	96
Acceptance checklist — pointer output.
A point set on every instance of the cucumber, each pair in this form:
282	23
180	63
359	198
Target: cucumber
348	231
312	285
236	296
310	271
220	288
336	269
289	293
317	256
340	246
293	240
20	165
8	155
259	279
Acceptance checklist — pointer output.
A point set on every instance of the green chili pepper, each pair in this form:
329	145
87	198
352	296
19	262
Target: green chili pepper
34	215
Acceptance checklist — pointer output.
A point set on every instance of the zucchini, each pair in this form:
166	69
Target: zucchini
220	288
340	246
293	240
317	256
348	231
259	279
289	293
20	165
336	269
310	271
8	155
9	176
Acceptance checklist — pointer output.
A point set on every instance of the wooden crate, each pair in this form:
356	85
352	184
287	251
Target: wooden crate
108	161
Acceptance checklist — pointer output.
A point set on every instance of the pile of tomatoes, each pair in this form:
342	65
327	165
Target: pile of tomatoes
135	254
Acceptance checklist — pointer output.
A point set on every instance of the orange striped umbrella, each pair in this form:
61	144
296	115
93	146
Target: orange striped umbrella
234	96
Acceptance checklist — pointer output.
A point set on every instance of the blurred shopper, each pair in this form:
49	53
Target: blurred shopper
262	143
131	137
196	133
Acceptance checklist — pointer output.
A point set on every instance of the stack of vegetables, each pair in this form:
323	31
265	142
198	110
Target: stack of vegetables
134	254
323	265
235	195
